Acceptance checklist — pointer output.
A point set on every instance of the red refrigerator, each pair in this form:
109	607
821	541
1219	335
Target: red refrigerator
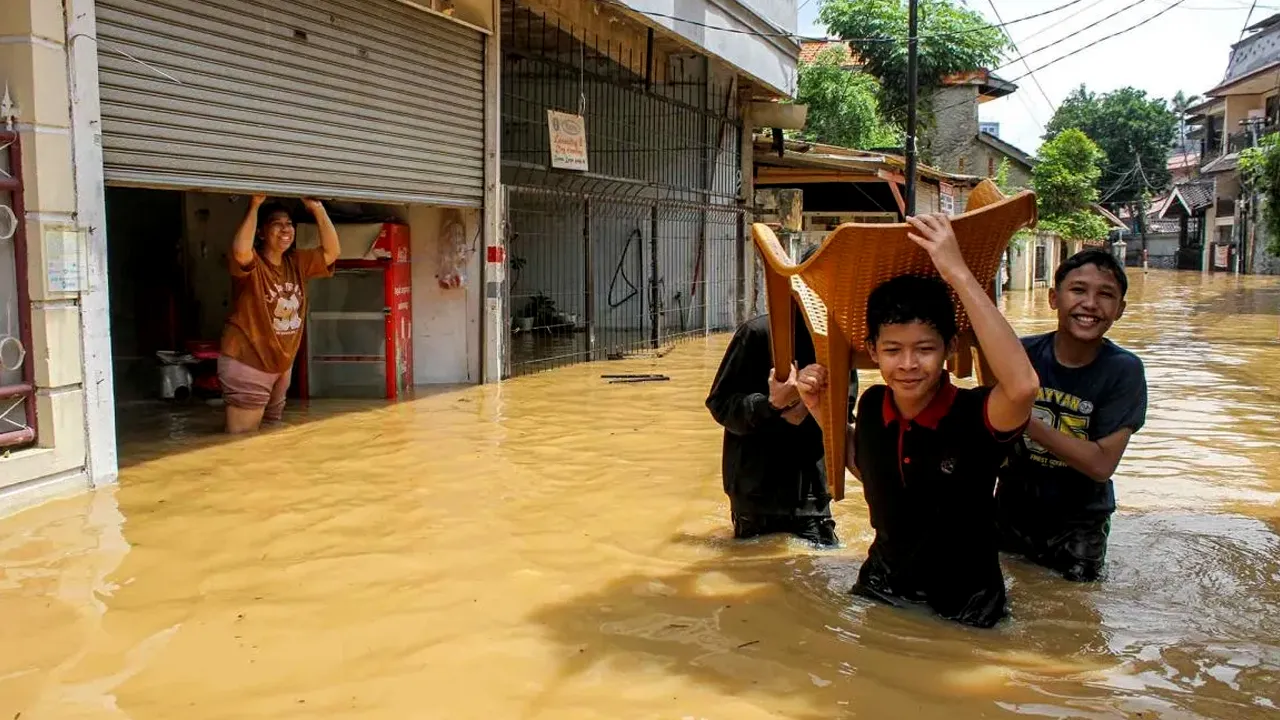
359	334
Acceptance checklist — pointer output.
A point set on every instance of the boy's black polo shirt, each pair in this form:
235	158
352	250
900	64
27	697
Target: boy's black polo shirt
929	484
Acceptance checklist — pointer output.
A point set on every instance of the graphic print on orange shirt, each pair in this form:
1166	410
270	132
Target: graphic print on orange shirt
285	302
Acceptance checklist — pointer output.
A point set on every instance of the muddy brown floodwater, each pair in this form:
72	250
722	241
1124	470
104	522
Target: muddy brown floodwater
557	547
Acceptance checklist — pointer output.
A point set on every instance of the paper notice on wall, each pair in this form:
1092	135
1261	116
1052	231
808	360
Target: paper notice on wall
947	198
64	260
1221	256
568	141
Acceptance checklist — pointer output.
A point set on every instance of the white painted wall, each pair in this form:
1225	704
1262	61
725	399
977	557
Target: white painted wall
1022	274
446	322
752	49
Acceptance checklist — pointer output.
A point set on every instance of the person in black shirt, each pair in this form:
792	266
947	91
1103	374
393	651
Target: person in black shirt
926	451
772	461
1056	496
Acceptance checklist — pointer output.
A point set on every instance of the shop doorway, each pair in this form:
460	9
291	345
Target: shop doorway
171	292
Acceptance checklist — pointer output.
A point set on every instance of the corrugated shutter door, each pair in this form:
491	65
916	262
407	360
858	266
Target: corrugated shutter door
354	99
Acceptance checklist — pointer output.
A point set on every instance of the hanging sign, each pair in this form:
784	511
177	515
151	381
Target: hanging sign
946	198
1221	256
568	141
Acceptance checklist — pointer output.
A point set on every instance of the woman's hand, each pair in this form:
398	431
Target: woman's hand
313	205
939	240
256	201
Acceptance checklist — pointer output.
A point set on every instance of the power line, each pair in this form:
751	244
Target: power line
1052	26
1014	45
793	36
1075	52
1247	18
1067	37
1101	40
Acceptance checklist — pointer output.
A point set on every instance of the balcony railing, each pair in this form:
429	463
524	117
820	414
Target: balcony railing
1238	141
1210	151
1243	139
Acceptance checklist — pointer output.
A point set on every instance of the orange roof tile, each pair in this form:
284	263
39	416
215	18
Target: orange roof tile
810	50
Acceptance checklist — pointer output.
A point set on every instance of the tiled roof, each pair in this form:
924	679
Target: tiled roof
1197	195
1179	161
809	51
1163	227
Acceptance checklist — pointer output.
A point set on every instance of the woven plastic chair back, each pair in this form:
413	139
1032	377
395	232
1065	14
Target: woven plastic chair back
833	285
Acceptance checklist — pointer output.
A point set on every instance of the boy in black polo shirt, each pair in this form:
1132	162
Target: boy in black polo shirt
1056	496
926	451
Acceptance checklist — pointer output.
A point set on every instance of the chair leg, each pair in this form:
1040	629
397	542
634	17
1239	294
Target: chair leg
838	359
964	357
781	320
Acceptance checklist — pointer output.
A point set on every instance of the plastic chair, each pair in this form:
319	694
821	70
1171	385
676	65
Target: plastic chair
832	287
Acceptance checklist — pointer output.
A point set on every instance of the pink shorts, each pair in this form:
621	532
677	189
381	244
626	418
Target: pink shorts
249	388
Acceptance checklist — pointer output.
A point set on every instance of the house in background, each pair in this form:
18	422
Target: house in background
991	151
840	185
1183	165
1034	258
811	49
1176	227
1242	108
957	143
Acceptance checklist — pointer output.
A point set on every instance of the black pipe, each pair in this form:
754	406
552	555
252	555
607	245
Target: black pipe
912	86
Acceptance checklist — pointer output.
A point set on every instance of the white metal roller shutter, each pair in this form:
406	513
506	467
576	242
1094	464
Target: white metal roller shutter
351	99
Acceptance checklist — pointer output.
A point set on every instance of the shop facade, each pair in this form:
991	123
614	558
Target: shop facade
141	129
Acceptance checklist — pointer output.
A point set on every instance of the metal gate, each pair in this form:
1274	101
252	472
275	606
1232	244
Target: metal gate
644	247
594	277
351	99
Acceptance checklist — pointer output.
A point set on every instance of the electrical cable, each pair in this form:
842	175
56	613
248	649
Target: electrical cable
1100	40
1077	51
1067	37
794	36
1034	79
1013	43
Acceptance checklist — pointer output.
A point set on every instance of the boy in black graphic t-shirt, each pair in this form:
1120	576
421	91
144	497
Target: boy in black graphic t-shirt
1055	495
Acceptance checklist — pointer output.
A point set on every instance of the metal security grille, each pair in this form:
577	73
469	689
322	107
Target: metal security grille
17	371
594	277
351	99
646	246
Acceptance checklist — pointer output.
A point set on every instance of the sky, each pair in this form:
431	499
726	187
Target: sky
1184	49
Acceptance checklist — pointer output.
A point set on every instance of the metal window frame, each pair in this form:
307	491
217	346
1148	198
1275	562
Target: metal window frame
26	390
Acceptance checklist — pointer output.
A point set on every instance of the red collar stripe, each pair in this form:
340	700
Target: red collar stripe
932	414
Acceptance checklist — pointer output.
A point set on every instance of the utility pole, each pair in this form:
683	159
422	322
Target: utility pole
912	87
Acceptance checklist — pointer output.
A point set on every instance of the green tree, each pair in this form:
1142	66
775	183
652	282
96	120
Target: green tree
1180	104
1260	169
951	39
1066	183
843	109
1002	179
1134	131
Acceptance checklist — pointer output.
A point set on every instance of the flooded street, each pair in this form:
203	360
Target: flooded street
558	547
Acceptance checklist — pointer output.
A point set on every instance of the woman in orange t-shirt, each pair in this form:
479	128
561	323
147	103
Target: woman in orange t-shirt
262	334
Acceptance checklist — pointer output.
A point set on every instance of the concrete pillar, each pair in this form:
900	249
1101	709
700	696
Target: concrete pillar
494	328
91	216
56	118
